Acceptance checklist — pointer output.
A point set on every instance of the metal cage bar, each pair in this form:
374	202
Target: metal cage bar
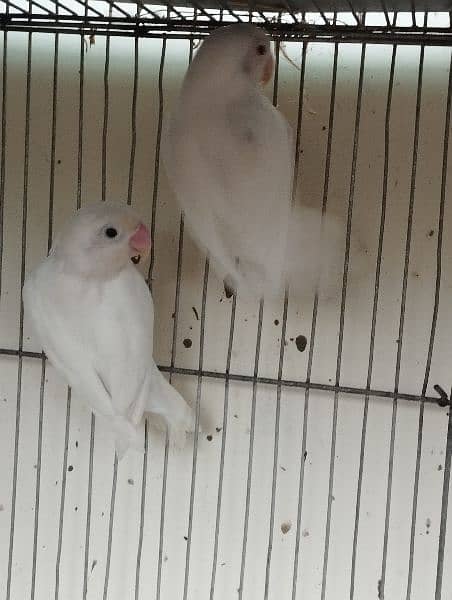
374	316
431	338
351	198
21	314
179	22
394	394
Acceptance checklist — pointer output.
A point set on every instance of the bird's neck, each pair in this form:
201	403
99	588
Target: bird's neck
217	89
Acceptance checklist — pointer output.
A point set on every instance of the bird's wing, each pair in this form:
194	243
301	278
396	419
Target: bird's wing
64	349
121	334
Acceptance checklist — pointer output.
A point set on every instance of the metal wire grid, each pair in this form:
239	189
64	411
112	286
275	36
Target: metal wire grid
395	395
286	21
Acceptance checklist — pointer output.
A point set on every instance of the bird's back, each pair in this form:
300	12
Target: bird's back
231	167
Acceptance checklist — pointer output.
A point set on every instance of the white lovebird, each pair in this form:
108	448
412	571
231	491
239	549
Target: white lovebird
94	316
229	157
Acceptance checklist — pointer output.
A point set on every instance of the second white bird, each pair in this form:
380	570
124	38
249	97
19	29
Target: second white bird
230	160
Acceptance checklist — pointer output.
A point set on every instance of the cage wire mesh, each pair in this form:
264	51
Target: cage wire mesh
323	471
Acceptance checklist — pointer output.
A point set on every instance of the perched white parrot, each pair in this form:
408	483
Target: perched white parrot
94	316
228	154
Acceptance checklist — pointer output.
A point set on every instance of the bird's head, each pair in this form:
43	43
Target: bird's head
235	52
102	239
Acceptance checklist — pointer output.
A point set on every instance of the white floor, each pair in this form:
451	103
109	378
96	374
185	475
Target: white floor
51	543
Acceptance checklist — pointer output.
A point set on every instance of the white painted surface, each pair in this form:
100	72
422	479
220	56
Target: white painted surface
123	577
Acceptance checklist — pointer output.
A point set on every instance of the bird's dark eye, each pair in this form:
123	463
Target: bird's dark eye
111	232
261	49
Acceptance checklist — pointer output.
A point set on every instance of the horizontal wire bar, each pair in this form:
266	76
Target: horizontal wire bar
190	31
306	385
276	27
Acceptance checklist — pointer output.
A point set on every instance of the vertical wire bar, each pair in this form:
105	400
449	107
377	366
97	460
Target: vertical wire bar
146	426
104	185
63	496
413	13
253	414
87	7
223	448
110	526
88	508
157	158
402	318
342	317
43	368
21	317
251	450
3	146
278	389
49	244
313	327
444	508
133	143
385	11
196	435
178	285
93	419
80	120
276	447
439	249
53	140
173	358
300	114
374	319
38	478
142	510
253	418
106	114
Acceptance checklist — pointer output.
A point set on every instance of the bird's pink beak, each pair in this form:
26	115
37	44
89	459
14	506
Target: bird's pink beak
140	241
